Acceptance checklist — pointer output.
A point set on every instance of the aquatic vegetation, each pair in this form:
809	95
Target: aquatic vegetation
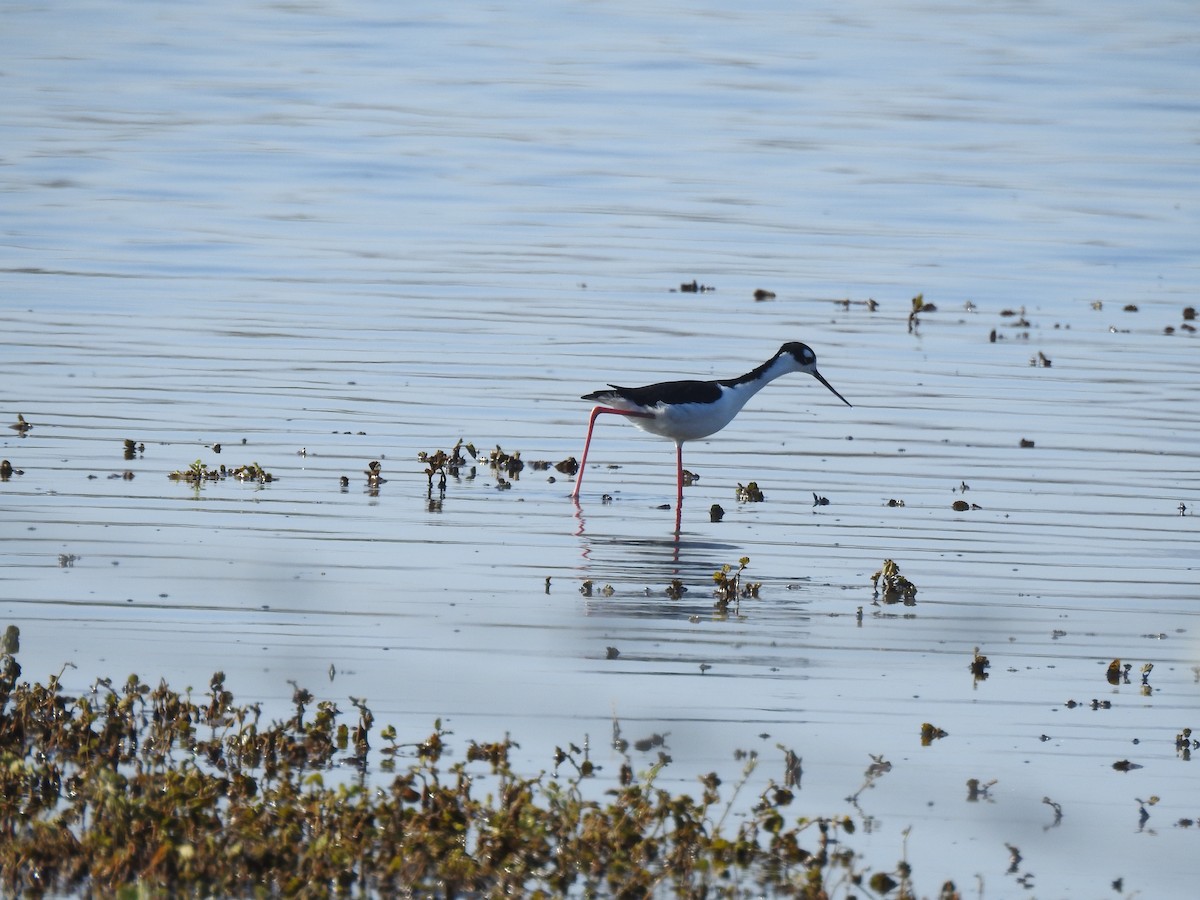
793	769
729	586
1185	744
892	587
506	463
978	790
1095	704
507	467
870	303
876	770
199	472
1116	672
374	473
979	666
441	463
919	306
749	493
252	472
436	463
129	789
568	466
1143	813
1058	812
1018	315
931	733
195	473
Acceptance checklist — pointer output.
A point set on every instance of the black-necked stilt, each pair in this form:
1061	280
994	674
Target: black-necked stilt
687	410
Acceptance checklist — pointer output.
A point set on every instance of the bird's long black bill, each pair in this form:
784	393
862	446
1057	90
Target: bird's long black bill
821	378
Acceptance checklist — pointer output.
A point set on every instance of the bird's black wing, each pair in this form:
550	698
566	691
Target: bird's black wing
673	393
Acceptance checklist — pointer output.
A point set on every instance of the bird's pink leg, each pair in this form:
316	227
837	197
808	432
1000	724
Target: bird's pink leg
596	411
679	471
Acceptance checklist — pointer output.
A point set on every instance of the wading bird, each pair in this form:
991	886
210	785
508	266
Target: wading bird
688	410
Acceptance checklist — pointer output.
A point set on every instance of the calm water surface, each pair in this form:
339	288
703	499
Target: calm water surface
325	234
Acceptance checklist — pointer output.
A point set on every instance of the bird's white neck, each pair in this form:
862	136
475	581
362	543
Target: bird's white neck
755	380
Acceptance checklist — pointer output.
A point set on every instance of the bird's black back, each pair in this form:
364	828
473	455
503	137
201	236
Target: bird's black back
672	393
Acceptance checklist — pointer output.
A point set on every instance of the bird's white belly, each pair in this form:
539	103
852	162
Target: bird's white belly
689	421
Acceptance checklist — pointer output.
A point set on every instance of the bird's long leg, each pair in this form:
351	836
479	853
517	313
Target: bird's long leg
597	411
679	473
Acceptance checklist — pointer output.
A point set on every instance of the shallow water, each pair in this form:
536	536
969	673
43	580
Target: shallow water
324	235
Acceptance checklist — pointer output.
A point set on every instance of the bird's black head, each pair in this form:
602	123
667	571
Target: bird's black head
800	356
802	353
